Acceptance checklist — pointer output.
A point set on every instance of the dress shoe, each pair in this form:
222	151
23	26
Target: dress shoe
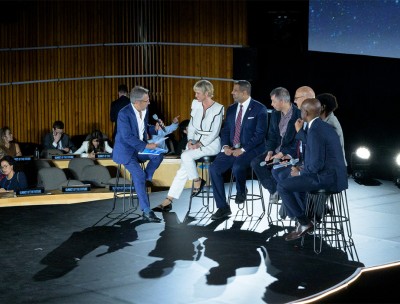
274	198
221	213
240	197
151	217
163	208
299	232
149	184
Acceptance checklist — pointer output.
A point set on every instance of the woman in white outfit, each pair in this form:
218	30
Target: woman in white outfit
203	140
95	144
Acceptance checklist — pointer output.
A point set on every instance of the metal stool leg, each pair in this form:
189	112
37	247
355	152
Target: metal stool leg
206	193
251	196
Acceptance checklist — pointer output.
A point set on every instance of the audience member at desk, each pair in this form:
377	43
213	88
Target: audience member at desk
58	140
161	133
7	142
95	144
131	139
183	131
13	180
203	131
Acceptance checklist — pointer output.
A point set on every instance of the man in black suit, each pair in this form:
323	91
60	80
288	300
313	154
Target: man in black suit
117	105
242	139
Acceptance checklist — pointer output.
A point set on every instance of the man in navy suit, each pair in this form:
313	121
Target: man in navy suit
131	138
324	167
281	140
238	152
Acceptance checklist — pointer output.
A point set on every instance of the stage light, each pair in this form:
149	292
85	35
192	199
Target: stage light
360	162
396	170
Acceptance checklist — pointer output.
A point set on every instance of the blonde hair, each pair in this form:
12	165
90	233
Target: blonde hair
205	87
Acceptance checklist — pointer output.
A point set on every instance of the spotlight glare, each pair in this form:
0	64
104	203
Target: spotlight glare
398	159
363	152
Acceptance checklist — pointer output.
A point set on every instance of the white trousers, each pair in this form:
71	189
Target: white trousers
188	169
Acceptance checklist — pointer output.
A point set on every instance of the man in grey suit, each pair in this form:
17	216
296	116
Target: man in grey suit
324	167
243	137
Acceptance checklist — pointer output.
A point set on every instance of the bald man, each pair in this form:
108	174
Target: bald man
324	168
302	93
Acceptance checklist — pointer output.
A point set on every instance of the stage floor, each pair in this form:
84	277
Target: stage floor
73	254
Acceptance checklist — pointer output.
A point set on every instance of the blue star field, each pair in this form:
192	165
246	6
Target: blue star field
360	27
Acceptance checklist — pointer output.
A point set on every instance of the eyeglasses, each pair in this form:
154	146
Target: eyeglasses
297	97
5	166
148	100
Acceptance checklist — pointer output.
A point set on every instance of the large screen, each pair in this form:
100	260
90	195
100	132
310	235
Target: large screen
360	27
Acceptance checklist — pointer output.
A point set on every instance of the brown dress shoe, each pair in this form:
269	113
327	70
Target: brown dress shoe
299	232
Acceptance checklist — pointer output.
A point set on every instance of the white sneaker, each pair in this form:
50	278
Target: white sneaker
274	198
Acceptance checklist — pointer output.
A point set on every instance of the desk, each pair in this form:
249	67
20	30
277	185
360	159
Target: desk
163	176
55	197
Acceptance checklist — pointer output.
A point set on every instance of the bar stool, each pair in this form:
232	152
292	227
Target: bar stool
206	193
124	189
274	214
330	214
251	195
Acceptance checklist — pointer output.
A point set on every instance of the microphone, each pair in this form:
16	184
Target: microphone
155	117
274	161
292	162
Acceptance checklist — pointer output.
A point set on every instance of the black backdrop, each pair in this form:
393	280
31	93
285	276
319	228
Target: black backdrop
366	87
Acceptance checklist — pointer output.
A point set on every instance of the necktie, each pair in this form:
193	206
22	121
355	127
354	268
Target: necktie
238	125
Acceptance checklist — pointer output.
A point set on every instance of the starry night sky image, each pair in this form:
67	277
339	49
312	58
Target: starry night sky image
360	27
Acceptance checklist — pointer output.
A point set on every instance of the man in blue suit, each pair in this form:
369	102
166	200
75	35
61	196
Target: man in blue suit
324	167
132	133
239	146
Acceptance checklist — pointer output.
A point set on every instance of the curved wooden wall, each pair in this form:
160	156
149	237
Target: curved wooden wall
63	60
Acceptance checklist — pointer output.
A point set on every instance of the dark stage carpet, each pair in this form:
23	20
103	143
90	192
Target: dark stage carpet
73	254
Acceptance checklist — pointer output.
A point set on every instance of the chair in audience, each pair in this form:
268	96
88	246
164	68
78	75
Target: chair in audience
53	178
76	166
98	176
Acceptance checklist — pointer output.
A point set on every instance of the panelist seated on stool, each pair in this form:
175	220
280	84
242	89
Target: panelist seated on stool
130	140
243	138
203	133
324	168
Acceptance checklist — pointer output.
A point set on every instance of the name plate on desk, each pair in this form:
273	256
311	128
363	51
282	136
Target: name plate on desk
33	191
64	156
122	188
23	158
74	189
103	155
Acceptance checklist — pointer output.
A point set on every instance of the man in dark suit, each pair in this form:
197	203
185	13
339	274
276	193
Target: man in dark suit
281	139
117	105
131	138
58	140
242	140
324	167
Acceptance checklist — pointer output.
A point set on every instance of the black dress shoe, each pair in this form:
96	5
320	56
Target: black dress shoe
240	197
299	232
161	208
149	184
221	213
151	217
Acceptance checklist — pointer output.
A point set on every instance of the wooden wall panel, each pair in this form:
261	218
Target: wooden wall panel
55	63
